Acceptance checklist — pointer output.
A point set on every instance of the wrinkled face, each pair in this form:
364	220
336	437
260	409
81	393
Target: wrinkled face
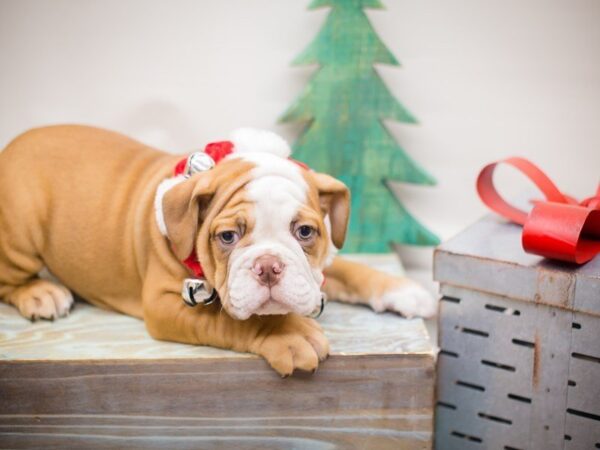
266	233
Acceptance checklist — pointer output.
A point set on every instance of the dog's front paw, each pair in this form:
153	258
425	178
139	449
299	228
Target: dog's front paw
407	298
292	342
42	299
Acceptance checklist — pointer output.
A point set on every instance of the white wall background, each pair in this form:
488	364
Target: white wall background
486	79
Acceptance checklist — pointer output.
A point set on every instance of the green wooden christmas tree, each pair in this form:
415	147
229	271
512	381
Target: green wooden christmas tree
344	105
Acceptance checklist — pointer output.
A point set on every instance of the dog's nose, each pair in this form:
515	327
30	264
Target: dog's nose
268	269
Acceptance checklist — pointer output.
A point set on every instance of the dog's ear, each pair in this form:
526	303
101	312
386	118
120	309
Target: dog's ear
334	198
182	206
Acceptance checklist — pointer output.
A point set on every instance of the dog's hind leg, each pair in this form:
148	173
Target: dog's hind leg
352	282
24	208
20	286
20	261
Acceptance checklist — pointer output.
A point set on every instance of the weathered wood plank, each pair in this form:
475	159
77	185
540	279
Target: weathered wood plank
98	380
179	385
289	439
352	401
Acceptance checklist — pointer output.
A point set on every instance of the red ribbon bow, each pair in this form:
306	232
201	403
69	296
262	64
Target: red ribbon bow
559	227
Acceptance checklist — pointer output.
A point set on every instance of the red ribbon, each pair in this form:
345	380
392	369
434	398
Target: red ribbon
559	227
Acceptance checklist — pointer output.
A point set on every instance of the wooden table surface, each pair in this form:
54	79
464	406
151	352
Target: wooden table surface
93	333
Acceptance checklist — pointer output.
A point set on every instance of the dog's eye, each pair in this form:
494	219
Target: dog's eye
228	237
305	233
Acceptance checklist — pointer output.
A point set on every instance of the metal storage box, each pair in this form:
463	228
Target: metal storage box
519	337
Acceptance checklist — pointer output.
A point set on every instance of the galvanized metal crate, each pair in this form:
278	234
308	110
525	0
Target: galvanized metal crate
519	365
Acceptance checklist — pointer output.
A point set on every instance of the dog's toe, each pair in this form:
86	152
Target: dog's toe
42	299
408	299
296	343
63	300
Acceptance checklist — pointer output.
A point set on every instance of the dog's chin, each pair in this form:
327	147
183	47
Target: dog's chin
268	306
272	307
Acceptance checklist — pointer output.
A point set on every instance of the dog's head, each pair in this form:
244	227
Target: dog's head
263	227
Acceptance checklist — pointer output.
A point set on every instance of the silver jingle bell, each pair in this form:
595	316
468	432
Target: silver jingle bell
198	162
195	291
319	310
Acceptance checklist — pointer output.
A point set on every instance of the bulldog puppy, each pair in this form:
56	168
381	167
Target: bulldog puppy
106	216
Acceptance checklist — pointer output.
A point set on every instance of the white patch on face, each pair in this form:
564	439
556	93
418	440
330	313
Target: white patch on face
279	191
